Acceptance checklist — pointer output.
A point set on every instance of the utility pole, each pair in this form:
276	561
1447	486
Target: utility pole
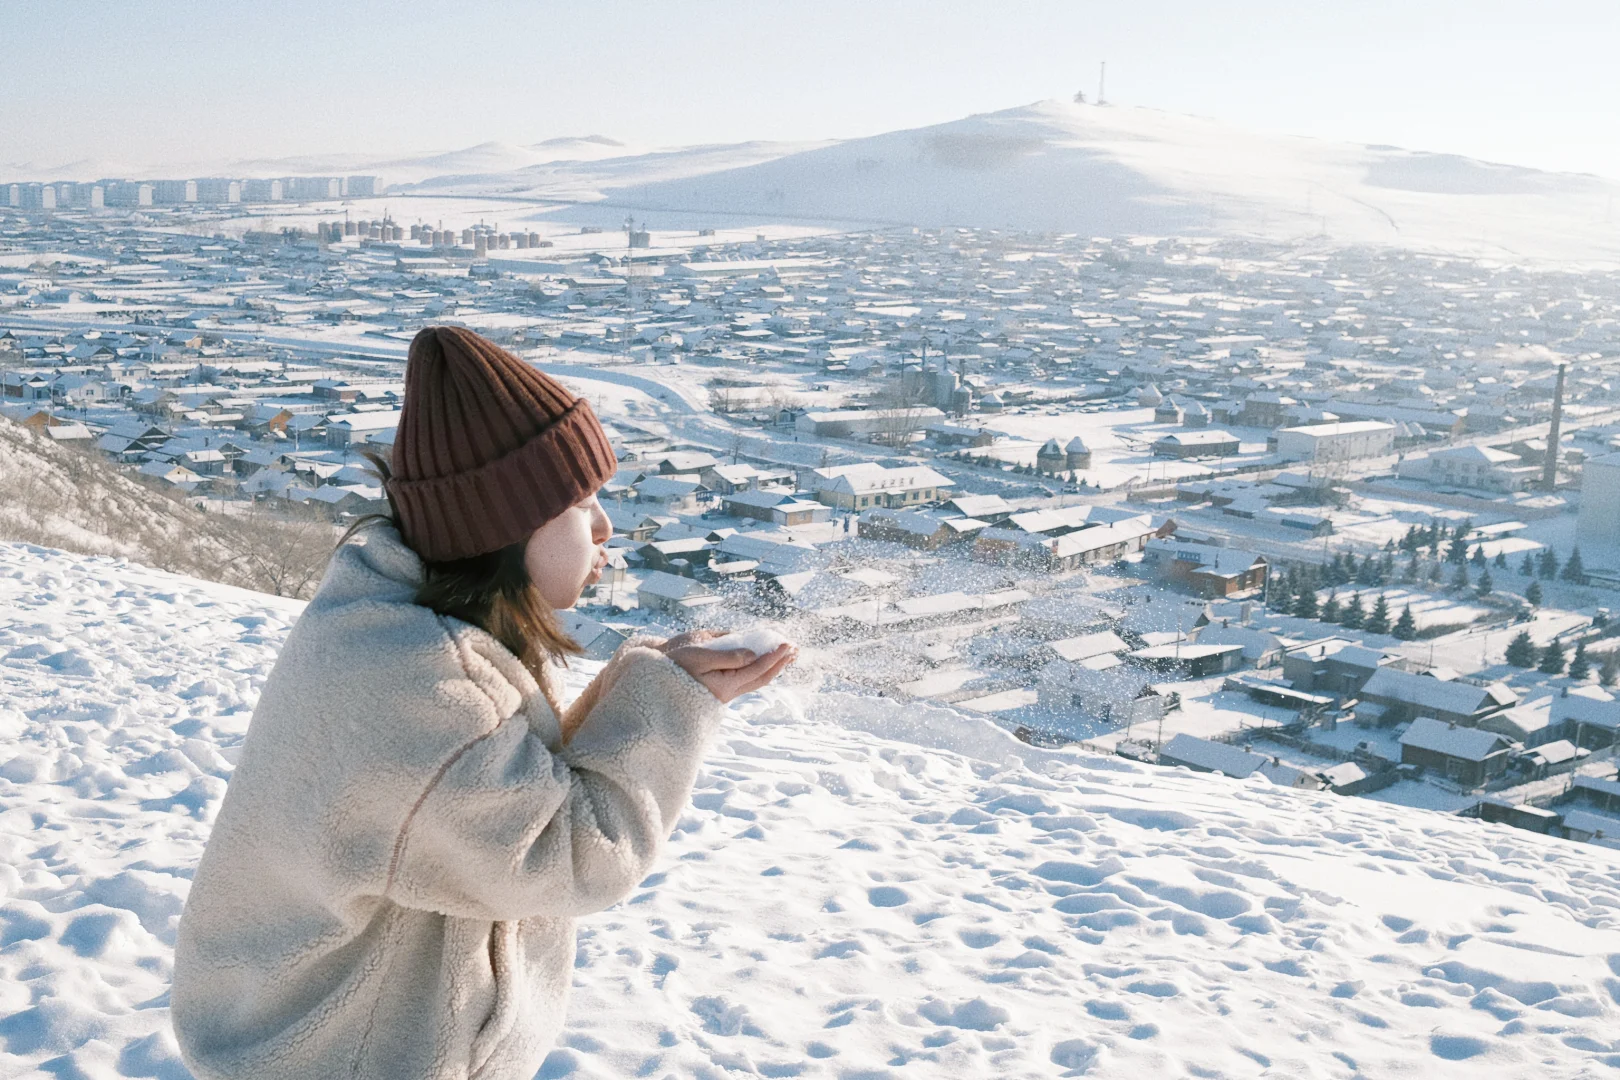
1101	77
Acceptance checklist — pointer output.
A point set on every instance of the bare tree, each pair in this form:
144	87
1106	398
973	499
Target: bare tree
284	554
722	399
902	405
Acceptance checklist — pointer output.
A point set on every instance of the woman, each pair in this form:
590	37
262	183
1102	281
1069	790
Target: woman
390	887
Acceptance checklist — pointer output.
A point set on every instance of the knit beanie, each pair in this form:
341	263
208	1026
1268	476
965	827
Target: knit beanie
489	448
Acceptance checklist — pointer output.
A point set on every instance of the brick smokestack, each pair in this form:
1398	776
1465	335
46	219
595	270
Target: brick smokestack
1549	472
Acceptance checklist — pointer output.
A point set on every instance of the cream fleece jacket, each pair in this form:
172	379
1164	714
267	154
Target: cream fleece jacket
390	888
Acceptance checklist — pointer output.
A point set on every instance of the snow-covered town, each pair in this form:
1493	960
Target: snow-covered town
1214	504
1201	548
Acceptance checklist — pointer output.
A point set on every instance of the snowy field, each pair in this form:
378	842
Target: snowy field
861	889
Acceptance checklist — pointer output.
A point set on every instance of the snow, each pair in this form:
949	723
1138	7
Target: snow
759	641
861	887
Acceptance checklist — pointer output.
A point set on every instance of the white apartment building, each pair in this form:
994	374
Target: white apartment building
1338	441
858	487
1597	528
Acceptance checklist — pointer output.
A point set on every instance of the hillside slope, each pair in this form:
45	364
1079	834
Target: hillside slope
69	498
1106	171
1056	166
860	889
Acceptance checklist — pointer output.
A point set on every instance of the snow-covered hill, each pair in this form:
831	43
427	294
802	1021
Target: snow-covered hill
1106	171
73	498
861	888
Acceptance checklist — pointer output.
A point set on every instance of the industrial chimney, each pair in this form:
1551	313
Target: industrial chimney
1549	470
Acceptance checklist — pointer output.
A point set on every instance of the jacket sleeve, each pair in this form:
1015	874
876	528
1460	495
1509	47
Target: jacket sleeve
511	829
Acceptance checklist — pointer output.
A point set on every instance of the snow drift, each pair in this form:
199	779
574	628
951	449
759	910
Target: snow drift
860	888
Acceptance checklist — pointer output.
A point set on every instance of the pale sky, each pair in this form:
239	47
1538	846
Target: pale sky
1531	83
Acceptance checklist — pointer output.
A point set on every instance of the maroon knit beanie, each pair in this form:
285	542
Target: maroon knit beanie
489	448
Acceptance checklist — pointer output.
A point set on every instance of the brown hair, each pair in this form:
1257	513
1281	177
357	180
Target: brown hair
492	591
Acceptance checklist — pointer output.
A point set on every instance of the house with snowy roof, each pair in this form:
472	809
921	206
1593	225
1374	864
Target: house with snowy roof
632	523
1209	442
352	429
776	506
169	474
1587	715
1394	696
1465	755
869	484
991	508
1207	570
677	493
922	531
1483	468
680	556
726	479
1333	665
671	594
1206	755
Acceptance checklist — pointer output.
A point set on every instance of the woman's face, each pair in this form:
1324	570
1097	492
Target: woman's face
566	554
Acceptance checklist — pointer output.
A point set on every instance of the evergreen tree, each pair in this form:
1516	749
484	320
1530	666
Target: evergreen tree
1533	594
1354	616
1528	567
1435	573
1609	670
1378	621
1500	562
1574	570
1579	666
1386	568
1409	573
1552	659
1459	580
1410	542
1457	552
1478	557
1405	627
1305	604
1549	565
1367	574
1464	527
1521	651
1484	586
1330	609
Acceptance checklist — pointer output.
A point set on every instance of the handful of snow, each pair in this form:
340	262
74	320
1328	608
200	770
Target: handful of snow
758	641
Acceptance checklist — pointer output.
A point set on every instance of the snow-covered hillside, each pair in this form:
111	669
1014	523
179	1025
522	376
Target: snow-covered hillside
1100	171
1106	171
861	888
72	498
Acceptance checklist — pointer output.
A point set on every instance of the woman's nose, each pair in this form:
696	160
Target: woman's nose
601	527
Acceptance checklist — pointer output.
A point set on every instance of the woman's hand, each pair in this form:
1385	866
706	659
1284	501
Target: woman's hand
690	637
728	673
